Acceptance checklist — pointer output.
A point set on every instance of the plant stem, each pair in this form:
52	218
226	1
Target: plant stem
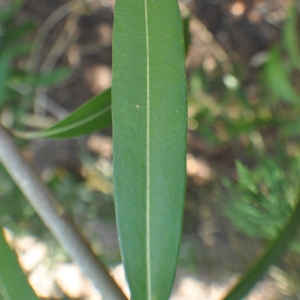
55	218
269	257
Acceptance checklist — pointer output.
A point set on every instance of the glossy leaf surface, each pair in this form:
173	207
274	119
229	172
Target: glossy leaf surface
13	283
91	116
149	134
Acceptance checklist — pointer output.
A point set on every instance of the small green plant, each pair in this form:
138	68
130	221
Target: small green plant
262	199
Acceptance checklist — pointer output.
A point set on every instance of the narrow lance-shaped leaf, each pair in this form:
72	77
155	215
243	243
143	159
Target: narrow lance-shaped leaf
91	116
13	283
149	139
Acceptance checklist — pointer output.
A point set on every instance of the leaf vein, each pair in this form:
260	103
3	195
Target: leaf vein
148	259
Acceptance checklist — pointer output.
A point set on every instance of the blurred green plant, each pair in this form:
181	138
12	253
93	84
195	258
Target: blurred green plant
225	113
262	199
231	111
263	120
16	83
12	45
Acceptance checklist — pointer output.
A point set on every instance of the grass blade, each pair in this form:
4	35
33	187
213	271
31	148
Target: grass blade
149	130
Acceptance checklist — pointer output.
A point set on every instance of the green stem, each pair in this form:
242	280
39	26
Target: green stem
269	257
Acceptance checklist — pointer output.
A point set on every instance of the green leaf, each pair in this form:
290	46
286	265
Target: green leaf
91	116
246	180
149	131
278	80
23	48
186	32
12	35
290	36
271	255
6	70
5	61
13	283
7	14
48	79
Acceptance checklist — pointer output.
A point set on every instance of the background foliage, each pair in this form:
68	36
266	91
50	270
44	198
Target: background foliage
245	119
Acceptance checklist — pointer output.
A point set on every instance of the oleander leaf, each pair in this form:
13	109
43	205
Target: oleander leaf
149	140
13	283
91	116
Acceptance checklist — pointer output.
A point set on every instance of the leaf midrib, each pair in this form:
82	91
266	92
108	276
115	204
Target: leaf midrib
148	262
